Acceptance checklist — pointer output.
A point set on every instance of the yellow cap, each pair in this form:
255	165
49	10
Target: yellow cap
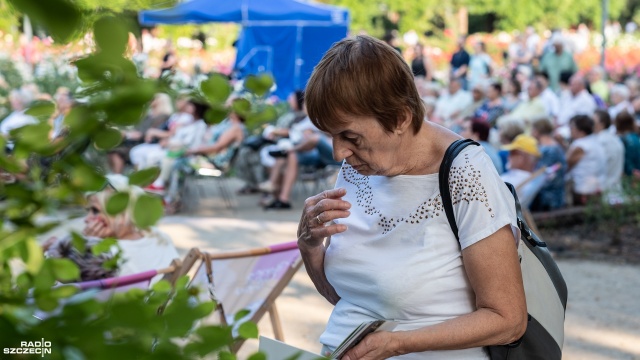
524	143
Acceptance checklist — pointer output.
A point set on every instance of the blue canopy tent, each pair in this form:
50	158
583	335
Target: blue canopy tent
284	37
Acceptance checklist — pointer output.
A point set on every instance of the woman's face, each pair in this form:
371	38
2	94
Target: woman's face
368	147
96	218
492	93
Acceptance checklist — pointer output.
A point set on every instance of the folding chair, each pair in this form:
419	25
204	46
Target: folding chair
248	279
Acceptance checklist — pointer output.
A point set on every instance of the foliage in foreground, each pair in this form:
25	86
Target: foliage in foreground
158	323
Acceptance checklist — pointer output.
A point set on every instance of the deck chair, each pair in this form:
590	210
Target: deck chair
248	279
529	189
103	289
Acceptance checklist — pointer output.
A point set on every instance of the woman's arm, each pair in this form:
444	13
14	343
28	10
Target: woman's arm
493	268
574	156
225	140
315	226
313	259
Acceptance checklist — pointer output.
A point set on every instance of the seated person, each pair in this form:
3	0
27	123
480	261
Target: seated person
309	147
586	161
551	196
248	166
187	138
157	117
478	130
523	158
141	250
152	151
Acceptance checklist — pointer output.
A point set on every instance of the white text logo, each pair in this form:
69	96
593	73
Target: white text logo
31	347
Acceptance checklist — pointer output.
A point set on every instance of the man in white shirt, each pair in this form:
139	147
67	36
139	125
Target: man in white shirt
614	153
575	101
549	98
619	101
19	100
528	111
451	104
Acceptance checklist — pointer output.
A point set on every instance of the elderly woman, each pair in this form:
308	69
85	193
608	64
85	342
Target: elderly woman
142	249
379	246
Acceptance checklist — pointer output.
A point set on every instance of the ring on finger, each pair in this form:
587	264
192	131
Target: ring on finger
320	222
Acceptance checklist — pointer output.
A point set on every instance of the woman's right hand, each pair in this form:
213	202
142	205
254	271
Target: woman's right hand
98	228
318	214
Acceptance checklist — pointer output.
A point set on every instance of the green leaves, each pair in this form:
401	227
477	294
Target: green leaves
104	246
147	211
60	17
260	84
41	110
248	330
241	314
144	177
107	138
64	269
216	89
117	203
110	35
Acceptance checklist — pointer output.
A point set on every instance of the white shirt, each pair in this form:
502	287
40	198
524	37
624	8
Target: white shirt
620	107
15	120
399	260
449	104
153	252
551	102
589	173
570	106
614	154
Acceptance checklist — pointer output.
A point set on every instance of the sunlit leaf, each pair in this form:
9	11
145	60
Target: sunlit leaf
78	242
104	246
46	277
147	211
161	286
248	330
144	177
64	269
117	203
259	85
241	314
36	258
241	106
107	138
216	88
63	291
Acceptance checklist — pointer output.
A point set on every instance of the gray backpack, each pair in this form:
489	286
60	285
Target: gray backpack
544	286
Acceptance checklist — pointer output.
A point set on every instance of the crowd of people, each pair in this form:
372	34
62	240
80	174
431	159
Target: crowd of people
537	112
544	111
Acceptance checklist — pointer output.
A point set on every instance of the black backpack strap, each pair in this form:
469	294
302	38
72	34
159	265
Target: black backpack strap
443	175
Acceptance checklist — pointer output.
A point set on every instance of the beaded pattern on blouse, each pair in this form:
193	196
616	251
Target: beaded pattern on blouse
464	185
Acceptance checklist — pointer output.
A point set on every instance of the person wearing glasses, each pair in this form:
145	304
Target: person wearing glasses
140	249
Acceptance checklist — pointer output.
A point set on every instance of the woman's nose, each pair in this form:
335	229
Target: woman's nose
340	151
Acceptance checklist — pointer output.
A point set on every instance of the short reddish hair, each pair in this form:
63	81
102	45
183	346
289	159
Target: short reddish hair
363	76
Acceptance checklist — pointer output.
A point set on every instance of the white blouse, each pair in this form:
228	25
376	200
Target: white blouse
399	259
